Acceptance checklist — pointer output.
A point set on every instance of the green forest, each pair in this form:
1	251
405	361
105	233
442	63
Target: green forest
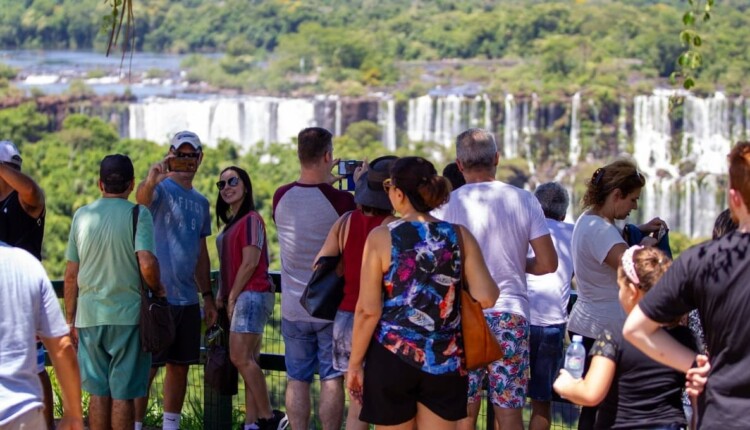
352	47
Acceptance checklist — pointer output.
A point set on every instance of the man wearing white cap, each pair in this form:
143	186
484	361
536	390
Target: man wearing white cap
181	221
22	226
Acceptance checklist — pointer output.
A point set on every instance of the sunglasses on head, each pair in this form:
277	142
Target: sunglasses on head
232	182
387	185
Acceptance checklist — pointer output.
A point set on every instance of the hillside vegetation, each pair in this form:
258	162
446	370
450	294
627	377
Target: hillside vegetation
351	47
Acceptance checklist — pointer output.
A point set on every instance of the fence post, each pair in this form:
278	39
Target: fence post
217	409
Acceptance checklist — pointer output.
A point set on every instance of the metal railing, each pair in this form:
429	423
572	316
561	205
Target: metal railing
219	411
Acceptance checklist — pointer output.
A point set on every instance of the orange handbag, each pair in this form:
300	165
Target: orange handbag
480	344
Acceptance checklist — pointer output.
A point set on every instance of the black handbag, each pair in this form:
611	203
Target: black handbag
156	325
325	289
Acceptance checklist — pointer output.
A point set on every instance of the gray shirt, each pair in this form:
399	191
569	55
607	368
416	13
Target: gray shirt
304	214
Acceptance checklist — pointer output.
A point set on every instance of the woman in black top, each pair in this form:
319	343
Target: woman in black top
635	392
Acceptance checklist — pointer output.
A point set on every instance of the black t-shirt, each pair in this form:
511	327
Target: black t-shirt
18	229
714	277
643	393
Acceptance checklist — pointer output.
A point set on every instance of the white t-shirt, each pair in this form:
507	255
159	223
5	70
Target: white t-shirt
503	219
549	294
598	305
29	308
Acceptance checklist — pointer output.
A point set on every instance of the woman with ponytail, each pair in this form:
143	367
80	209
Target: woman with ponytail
407	323
598	245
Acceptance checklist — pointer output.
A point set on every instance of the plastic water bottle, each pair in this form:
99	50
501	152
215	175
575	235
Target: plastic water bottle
575	357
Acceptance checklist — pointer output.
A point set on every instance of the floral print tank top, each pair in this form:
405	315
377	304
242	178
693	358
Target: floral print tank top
421	320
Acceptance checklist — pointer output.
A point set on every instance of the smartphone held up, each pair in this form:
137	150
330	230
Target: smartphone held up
346	169
182	164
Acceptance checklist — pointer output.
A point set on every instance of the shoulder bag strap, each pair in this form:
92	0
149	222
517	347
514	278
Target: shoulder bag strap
136	211
342	229
460	238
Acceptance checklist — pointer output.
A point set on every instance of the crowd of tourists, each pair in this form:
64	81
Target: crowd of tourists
667	342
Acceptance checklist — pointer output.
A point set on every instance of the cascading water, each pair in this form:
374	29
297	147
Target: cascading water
574	152
510	128
684	184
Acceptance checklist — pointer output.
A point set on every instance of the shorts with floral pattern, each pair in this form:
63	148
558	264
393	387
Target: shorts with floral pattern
508	377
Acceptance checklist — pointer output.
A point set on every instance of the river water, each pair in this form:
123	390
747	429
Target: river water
53	71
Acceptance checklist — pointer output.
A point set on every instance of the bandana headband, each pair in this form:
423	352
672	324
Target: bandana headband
628	265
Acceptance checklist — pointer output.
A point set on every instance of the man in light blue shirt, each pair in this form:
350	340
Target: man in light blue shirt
181	222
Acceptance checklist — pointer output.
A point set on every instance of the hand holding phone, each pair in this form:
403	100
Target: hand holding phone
347	167
662	231
182	164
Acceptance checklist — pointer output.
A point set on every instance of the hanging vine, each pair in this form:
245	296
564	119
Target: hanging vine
122	13
691	58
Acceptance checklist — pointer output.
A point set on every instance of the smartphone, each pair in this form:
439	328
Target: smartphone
182	164
347	167
661	233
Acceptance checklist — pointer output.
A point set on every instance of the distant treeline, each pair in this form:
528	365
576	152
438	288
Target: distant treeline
347	46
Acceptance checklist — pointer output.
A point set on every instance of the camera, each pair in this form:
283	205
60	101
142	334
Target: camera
347	167
182	164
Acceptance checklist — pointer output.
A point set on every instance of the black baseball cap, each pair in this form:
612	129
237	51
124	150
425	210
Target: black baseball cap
116	169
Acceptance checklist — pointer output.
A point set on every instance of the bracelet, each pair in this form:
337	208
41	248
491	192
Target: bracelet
207	293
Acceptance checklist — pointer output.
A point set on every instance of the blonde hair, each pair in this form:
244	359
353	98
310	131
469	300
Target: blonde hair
650	265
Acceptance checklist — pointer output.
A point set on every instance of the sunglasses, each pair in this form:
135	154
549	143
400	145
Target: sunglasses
179	154
232	182
387	185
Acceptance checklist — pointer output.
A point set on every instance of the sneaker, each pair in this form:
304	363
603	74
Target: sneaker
278	421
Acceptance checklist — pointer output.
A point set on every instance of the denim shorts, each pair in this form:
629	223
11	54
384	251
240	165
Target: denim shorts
545	356
112	362
308	347
342	340
251	312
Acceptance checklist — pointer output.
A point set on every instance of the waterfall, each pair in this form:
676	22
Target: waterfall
487	112
510	128
420	123
622	130
245	121
652	132
387	121
738	120
574	152
706	137
681	152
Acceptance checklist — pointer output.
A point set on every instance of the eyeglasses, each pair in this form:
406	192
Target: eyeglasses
387	185
232	182
179	154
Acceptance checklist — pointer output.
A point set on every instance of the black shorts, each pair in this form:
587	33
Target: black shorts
186	348
393	388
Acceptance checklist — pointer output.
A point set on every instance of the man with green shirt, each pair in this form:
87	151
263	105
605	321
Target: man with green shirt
102	295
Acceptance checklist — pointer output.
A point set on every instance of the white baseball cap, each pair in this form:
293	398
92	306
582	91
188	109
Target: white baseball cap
184	137
9	153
